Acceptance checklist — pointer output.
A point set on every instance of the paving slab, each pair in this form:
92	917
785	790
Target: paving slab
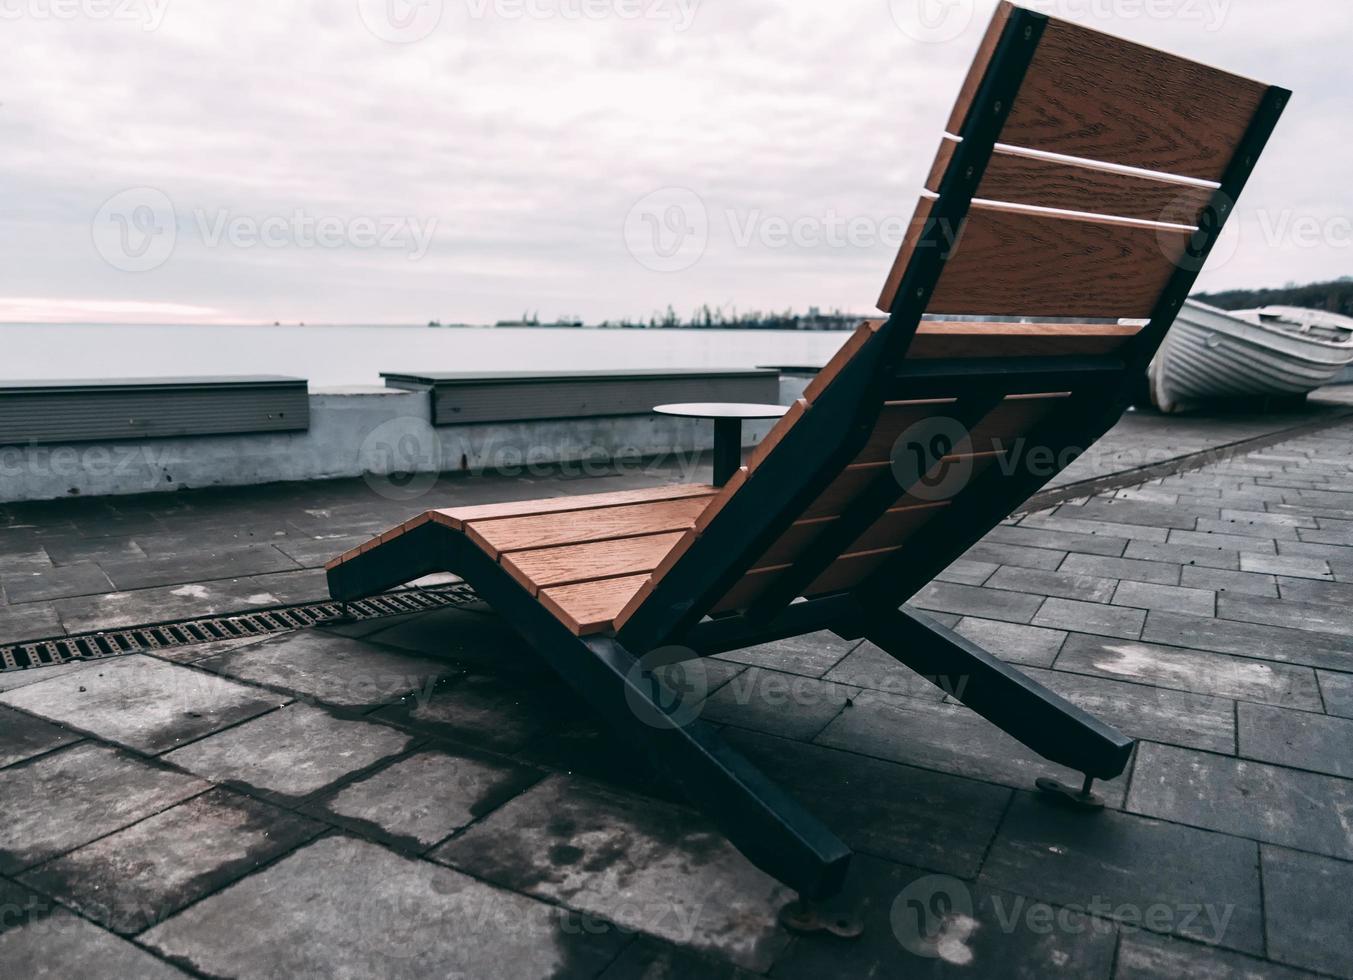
490	711
293	752
1197	671
1312	590
62	945
1306	898
1168	514
1169	598
461	634
1013	643
138	877
1194	883
776	703
1180	718
60	801
867	666
332	669
1095	528
944	737
423	799
997	553
925	925
967	600
58	582
347	908
1221	580
812	654
1088	588
23	736
1315	617
123	610
1294	565
1132	569
650	867
900	813
965	571
1297	739
1248	640
1182	554
143	703
196	565
1249	799
1338	692
1147	956
1090	617
1062	541
31	621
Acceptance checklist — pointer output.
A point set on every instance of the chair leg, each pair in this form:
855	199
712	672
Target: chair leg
757	816
1044	721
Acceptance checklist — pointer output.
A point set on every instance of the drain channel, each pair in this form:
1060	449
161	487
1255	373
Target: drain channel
117	643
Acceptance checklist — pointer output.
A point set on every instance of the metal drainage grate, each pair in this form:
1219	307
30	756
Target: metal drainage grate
117	643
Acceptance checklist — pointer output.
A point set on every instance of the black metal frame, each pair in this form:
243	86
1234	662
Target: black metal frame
764	823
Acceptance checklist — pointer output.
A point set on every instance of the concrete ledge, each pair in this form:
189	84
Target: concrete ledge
384	433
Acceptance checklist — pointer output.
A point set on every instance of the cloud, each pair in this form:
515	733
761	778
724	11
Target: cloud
525	132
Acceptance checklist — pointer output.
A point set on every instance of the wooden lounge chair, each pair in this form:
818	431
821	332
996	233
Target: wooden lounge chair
1090	177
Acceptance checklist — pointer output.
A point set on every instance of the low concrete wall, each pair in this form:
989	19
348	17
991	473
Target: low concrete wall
383	434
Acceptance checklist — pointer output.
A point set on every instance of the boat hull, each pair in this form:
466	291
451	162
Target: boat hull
1211	355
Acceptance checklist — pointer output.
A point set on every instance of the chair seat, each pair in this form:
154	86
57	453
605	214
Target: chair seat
583	556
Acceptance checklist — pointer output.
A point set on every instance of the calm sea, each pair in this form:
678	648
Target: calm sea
328	355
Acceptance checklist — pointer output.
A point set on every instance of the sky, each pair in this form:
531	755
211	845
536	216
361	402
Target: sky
397	161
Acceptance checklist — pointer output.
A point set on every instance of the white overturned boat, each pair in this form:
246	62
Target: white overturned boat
1272	352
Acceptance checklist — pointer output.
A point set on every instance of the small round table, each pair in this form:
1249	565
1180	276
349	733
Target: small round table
727	418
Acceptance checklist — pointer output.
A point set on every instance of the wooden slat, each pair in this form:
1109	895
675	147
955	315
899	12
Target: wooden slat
512	534
664	566
943	339
973	81
1010	263
777	432
848	570
1012	419
909	241
843	356
894	419
591	607
887	531
569	564
456	517
1099	97
1072	186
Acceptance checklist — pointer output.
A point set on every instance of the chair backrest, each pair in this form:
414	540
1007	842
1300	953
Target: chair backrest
1081	185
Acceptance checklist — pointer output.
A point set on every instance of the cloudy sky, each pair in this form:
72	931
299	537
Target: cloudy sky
468	160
